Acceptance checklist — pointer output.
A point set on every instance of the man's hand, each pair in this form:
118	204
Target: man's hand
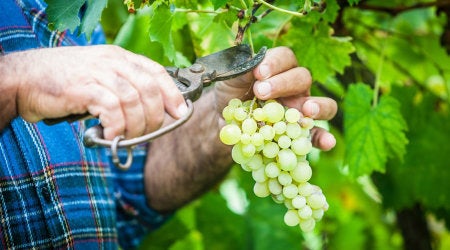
127	92
279	77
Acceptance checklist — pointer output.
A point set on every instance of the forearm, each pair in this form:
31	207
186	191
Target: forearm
8	91
188	161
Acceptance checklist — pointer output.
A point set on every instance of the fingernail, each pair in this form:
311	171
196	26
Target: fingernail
182	110
313	108
263	88
264	71
328	141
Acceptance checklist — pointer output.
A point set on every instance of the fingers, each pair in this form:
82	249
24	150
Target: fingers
322	139
174	102
145	91
291	82
278	75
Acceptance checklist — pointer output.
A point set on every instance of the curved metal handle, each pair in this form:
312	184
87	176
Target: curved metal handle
93	136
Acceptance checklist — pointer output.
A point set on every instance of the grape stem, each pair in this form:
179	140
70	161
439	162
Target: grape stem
251	107
273	7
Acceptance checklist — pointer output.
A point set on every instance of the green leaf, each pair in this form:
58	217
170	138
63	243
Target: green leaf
423	176
64	14
372	133
160	29
323	54
92	16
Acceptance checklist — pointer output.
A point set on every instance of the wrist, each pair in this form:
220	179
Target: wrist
8	88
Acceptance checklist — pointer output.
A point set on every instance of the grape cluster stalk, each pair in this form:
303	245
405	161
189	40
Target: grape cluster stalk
272	141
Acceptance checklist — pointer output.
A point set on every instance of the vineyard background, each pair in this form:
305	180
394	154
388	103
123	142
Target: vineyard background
387	65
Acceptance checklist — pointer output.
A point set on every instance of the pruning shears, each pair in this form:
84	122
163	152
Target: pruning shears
219	66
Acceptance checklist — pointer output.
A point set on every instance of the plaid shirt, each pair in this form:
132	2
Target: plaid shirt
54	192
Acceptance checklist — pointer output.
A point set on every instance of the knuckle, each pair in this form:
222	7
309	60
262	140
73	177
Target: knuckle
130	97
305	75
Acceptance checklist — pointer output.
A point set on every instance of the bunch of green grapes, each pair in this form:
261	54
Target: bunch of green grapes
271	141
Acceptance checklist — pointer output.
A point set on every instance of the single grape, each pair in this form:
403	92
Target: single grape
240	114
317	214
230	134
248	150
279	127
307	225
274	186
246	138
290	191
255	162
272	170
284	141
298	201
316	200
302	172
292	115
249	126
234	103
259	175
228	113
287	159
301	146
270	150
284	178
291	218
261	190
259	115
305	189
257	139
293	130
274	111
305	212
267	132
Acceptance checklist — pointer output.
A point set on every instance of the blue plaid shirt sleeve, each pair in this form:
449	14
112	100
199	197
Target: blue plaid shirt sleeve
55	192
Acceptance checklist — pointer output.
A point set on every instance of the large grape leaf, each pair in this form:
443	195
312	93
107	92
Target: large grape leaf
423	176
372	134
317	50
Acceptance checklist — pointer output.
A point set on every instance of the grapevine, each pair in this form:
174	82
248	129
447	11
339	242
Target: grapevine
272	141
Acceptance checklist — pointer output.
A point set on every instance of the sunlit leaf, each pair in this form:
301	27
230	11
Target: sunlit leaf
316	49
373	133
